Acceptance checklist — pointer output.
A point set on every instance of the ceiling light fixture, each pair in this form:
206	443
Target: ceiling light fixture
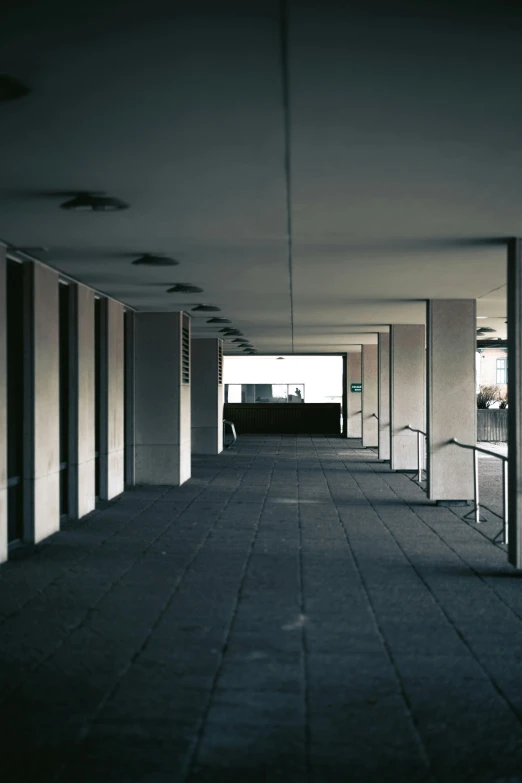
204	308
94	202
228	330
479	317
11	88
218	321
238	340
281	357
184	288
150	259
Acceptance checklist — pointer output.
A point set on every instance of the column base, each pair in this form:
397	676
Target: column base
452	502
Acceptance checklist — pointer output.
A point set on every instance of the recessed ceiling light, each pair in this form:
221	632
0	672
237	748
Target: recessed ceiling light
184	288
94	202
218	321
204	308
479	317
11	88
149	259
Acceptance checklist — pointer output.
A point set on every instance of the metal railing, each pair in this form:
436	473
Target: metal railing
233	429
476	450
420	449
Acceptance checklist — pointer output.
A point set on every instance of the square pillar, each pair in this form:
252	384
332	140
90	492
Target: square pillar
162	398
353	398
129	398
384	395
82	471
42	404
3	408
370	396
112	400
514	313
452	405
407	392
207	396
344	430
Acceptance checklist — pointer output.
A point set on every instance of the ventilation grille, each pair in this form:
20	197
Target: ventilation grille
185	356
220	364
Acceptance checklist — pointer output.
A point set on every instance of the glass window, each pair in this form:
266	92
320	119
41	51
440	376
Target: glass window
234	392
264	392
501	370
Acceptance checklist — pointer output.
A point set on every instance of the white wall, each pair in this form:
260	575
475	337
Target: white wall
321	375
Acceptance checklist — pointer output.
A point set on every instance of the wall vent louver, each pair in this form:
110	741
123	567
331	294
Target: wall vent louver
220	364
185	356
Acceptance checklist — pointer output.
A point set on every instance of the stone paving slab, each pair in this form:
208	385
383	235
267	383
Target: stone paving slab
295	612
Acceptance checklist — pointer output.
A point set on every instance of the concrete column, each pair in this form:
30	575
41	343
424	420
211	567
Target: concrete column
344	431
82	413
3	409
129	398
42	404
162	398
369	366
353	398
514	312
452	406
384	395
407	392
112	401
207	396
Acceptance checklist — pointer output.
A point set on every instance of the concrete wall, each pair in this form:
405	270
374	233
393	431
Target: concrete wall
207	396
370	401
112	420
82	401
384	395
407	392
3	409
42	423
354	399
452	410
162	400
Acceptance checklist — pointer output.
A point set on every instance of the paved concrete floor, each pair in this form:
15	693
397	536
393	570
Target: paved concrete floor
296	612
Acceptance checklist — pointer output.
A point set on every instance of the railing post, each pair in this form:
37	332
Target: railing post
476	486
505	497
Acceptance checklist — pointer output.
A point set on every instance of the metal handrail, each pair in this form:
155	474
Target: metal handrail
234	434
409	427
476	450
420	433
479	448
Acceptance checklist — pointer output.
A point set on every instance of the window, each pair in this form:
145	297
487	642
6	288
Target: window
501	371
264	392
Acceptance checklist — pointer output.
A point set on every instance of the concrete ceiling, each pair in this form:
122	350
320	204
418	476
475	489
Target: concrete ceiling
397	145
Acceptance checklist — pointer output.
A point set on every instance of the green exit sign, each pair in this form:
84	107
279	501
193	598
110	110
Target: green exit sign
356	387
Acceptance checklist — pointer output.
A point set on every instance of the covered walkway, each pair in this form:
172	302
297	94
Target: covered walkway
295	612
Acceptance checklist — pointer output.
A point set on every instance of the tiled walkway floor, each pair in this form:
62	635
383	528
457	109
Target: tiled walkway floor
295	612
